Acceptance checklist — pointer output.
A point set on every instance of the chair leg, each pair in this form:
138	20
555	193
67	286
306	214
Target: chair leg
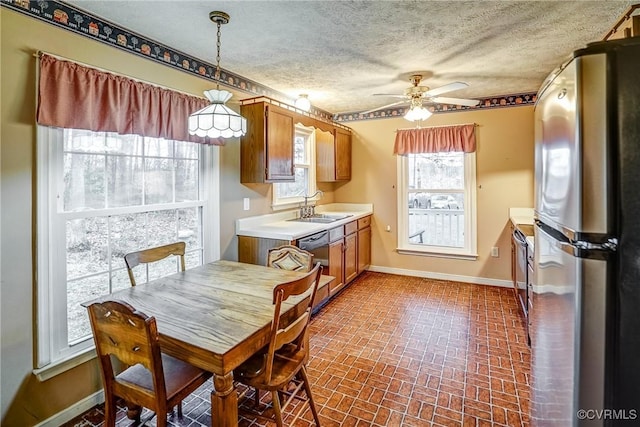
307	389
256	397
109	411
275	397
180	410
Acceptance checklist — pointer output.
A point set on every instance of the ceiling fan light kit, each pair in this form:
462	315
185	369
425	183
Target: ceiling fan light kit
417	114
217	120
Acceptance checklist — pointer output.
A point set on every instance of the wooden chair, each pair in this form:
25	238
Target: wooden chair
285	358
145	256
288	257
153	380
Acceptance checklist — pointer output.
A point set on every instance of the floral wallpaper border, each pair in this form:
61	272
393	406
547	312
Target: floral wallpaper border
72	19
500	101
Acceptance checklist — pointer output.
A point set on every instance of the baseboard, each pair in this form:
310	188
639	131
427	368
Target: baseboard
442	276
74	410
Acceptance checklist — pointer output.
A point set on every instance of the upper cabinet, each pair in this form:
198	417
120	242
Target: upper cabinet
267	149
333	155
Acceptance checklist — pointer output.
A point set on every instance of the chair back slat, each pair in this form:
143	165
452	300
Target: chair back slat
145	256
289	257
292	332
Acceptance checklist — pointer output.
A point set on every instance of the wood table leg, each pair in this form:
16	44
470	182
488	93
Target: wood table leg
224	402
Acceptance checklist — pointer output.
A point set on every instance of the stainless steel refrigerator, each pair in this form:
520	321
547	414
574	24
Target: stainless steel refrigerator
584	316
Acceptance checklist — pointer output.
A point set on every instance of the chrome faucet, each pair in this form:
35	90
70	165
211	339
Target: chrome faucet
307	211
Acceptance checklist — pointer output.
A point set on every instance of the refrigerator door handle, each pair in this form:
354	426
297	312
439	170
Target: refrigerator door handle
585	250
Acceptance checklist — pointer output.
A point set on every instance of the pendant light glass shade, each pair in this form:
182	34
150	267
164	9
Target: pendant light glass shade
217	120
417	113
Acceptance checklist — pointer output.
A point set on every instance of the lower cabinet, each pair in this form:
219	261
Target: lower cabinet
336	265
349	251
364	243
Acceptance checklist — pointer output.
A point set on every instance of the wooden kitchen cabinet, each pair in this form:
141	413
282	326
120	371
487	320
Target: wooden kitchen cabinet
336	258
350	251
364	243
266	150
333	155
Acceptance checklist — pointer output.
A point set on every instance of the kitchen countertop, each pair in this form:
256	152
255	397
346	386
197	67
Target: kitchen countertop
277	226
521	216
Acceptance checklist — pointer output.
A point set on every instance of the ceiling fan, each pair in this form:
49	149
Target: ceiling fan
416	95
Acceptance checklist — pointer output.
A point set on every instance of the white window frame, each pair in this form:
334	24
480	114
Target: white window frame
469	250
290	202
54	354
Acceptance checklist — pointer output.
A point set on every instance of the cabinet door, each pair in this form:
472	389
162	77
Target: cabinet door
343	155
364	249
325	157
279	145
336	255
350	257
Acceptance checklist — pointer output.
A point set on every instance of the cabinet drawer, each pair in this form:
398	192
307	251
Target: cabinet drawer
351	227
364	222
336	233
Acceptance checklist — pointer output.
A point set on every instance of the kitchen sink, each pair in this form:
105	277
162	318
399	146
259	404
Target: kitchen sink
321	218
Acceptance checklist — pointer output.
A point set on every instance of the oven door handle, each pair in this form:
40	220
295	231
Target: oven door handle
519	238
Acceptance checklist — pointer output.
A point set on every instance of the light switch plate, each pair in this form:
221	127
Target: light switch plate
495	252
246	203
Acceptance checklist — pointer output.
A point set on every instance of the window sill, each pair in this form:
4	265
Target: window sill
56	368
463	256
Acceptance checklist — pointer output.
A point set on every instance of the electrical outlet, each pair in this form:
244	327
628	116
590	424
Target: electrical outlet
495	252
246	203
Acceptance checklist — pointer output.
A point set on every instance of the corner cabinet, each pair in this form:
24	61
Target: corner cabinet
266	150
333	155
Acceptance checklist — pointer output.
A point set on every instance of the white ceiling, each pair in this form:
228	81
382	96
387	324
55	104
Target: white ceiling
341	52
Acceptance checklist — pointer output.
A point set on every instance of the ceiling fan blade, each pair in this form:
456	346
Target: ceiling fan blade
450	87
455	101
392	95
383	107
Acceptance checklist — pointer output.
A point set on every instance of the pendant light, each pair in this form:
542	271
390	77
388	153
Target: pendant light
217	120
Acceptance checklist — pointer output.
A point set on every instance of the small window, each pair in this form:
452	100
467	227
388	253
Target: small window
437	204
287	193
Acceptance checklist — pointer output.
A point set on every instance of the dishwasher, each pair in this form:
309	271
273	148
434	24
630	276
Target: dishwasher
318	245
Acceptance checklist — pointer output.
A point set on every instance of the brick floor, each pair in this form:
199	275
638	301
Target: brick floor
403	351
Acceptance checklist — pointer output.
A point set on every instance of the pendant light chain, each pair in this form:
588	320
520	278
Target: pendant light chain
218	58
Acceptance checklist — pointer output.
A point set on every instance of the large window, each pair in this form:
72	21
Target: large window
100	196
287	193
437	204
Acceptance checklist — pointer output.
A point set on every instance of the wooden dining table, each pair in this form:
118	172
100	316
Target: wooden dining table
215	317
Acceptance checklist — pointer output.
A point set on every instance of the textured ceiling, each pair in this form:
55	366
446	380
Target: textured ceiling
341	52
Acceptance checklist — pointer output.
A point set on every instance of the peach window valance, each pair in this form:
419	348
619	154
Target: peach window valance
437	139
71	95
